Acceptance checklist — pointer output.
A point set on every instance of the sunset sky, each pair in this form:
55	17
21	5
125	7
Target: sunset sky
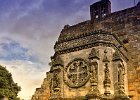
28	31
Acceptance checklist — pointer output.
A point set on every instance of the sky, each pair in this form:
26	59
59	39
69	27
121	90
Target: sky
28	31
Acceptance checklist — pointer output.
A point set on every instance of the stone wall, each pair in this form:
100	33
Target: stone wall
43	93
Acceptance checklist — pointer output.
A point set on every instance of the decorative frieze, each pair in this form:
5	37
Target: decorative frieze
96	38
85	40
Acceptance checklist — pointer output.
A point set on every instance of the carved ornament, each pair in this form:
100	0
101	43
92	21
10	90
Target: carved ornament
76	73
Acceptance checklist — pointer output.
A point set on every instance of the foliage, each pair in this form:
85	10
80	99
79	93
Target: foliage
7	86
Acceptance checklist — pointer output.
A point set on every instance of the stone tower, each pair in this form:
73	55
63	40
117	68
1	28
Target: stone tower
96	59
100	9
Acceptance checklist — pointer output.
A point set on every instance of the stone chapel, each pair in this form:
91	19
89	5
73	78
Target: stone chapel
98	59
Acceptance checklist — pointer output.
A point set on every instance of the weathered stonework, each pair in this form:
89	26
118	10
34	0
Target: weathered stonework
97	59
43	93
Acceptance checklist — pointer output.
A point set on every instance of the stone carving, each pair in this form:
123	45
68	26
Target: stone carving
107	81
105	59
94	54
89	39
55	82
94	73
119	85
94	92
121	73
116	57
56	60
76	73
64	38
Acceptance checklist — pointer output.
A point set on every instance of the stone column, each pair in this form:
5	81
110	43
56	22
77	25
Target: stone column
107	81
93	93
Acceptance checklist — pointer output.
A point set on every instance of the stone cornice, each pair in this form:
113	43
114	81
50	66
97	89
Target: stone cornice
106	44
89	40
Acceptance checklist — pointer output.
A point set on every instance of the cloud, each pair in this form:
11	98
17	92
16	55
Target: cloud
11	50
28	31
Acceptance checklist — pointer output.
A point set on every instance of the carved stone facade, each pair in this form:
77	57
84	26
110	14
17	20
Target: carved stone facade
96	59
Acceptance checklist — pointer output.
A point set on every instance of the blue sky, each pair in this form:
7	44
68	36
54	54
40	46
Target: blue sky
29	29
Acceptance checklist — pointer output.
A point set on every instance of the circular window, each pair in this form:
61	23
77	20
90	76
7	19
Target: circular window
76	73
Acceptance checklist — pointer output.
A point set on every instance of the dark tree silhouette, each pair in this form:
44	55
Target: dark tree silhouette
8	88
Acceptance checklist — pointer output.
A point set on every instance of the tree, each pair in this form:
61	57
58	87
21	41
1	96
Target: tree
8	88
